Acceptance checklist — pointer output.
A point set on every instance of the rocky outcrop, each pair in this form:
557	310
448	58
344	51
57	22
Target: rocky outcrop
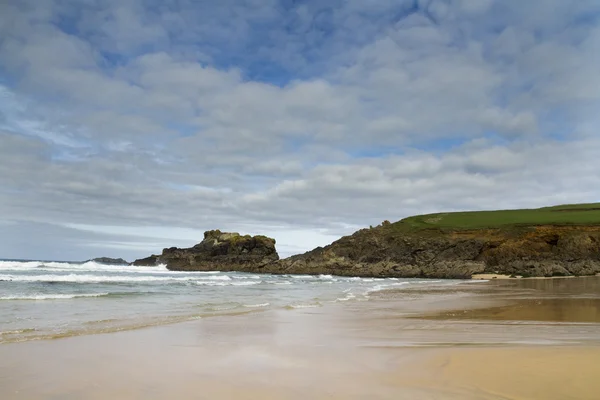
385	252
219	251
150	261
109	261
391	251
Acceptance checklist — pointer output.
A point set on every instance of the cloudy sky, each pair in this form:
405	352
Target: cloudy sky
127	126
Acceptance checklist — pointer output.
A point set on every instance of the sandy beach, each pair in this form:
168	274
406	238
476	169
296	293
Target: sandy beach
505	339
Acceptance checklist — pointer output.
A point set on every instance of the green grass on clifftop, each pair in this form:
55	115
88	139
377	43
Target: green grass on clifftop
571	214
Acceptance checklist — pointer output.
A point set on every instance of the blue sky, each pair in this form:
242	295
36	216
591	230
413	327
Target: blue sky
129	126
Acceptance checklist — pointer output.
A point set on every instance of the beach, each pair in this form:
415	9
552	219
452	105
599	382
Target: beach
510	339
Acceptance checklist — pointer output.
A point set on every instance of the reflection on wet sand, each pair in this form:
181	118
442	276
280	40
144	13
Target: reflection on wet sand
548	310
548	300
515	339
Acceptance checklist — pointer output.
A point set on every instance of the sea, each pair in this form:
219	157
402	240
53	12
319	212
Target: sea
51	299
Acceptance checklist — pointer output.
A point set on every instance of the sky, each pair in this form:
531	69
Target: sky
127	126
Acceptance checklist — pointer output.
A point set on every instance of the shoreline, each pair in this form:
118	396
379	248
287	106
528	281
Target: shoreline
444	311
381	349
503	276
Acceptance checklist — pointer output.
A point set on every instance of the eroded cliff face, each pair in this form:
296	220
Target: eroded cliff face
219	251
385	252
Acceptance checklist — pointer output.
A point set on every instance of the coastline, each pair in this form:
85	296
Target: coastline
383	348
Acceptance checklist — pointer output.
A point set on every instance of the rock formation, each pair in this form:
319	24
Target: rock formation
219	251
109	261
551	241
384	252
149	261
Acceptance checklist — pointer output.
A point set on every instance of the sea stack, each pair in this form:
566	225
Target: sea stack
219	251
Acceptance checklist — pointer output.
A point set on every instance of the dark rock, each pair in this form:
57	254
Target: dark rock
383	251
222	251
150	261
109	261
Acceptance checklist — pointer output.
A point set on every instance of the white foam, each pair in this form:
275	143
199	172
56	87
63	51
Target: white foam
52	296
375	288
16	331
210	283
349	296
83	278
65	266
378	288
248	277
301	276
305	305
251	283
91	266
18	265
257	305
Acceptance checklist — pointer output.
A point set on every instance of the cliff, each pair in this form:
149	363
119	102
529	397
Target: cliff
381	252
219	251
552	241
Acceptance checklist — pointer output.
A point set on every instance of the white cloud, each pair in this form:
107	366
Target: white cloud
247	116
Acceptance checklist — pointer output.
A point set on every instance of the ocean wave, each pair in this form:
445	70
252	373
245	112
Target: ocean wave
257	305
83	278
17	331
52	296
349	296
90	266
66	266
10	265
213	283
248	277
303	305
379	288
251	283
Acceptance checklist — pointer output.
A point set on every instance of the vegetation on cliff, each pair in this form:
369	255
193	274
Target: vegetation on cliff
563	215
552	241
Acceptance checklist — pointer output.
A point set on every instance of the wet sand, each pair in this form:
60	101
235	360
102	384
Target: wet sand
509	339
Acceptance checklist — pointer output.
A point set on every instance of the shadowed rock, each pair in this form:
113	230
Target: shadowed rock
219	251
385	252
395	250
150	261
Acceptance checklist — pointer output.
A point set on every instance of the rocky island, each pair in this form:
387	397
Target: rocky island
551	241
109	261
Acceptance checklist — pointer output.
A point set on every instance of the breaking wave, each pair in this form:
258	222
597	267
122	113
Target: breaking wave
87	278
60	296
